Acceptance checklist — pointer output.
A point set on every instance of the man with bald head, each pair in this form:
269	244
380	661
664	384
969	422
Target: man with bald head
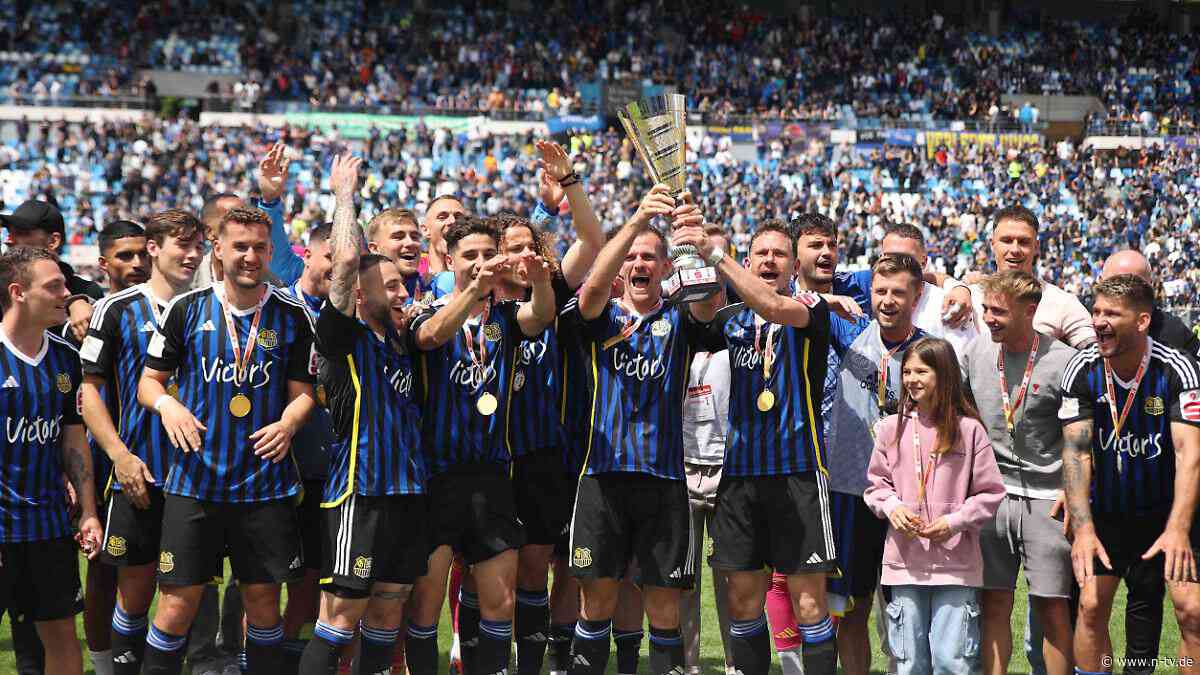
1164	327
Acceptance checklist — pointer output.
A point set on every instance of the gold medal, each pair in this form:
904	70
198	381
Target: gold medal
487	404
766	400
173	390
322	397
239	405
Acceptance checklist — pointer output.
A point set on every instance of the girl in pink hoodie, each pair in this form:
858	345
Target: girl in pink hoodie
933	475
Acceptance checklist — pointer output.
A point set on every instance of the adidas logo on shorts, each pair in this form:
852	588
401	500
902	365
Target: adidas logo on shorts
814	559
581	661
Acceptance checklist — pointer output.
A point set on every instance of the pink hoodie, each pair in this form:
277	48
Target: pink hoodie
965	486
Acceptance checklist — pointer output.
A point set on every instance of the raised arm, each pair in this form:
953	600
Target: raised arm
556	169
598	286
345	241
539	312
763	298
272	178
437	330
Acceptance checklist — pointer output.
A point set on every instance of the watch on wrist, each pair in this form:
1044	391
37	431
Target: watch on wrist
717	255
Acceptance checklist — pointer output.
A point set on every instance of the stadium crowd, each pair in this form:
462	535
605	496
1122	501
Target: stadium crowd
1091	203
730	60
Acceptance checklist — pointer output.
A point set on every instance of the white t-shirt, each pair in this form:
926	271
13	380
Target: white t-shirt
706	409
928	318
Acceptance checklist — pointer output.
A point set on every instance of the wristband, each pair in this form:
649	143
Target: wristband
159	401
568	180
715	258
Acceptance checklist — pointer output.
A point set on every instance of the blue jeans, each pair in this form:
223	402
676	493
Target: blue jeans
934	629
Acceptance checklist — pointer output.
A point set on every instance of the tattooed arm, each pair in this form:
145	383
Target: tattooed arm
345	241
77	463
1077	481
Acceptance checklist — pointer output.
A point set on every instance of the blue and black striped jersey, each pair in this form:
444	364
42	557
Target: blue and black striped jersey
115	349
194	344
453	430
634	387
1135	472
369	381
534	415
790	436
101	465
39	395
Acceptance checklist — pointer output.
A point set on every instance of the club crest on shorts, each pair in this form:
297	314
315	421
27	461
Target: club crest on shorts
660	328
362	567
582	557
268	338
116	546
492	332
166	562
63	381
1154	406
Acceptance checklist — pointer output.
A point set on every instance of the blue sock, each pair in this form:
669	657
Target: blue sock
819	654
264	649
377	646
164	652
495	646
128	637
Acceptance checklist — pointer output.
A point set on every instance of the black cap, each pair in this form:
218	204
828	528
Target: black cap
35	215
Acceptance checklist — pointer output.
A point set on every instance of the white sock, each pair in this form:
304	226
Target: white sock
790	661
558	672
102	662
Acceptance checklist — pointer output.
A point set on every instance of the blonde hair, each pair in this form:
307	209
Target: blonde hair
389	218
1016	285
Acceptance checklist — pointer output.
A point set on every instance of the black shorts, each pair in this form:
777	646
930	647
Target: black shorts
472	510
131	535
262	540
39	580
1127	539
780	522
312	524
620	517
543	492
374	539
859	536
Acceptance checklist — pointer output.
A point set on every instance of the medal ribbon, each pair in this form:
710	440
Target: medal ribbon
1010	408
883	367
767	351
631	324
923	479
241	359
478	359
1119	422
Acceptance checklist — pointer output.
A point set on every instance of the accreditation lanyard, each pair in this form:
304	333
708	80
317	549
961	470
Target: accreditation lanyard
481	357
631	323
1010	408
883	368
241	359
923	477
1119	422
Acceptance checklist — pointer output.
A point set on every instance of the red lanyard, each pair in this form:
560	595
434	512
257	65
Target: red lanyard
883	367
478	359
767	351
1010	409
923	478
1119	422
240	363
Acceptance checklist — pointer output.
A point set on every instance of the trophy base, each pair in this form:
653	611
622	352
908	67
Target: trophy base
691	285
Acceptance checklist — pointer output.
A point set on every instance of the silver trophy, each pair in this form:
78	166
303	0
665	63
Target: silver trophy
656	126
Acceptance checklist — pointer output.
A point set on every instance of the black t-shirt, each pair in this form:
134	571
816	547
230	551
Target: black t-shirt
1173	332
